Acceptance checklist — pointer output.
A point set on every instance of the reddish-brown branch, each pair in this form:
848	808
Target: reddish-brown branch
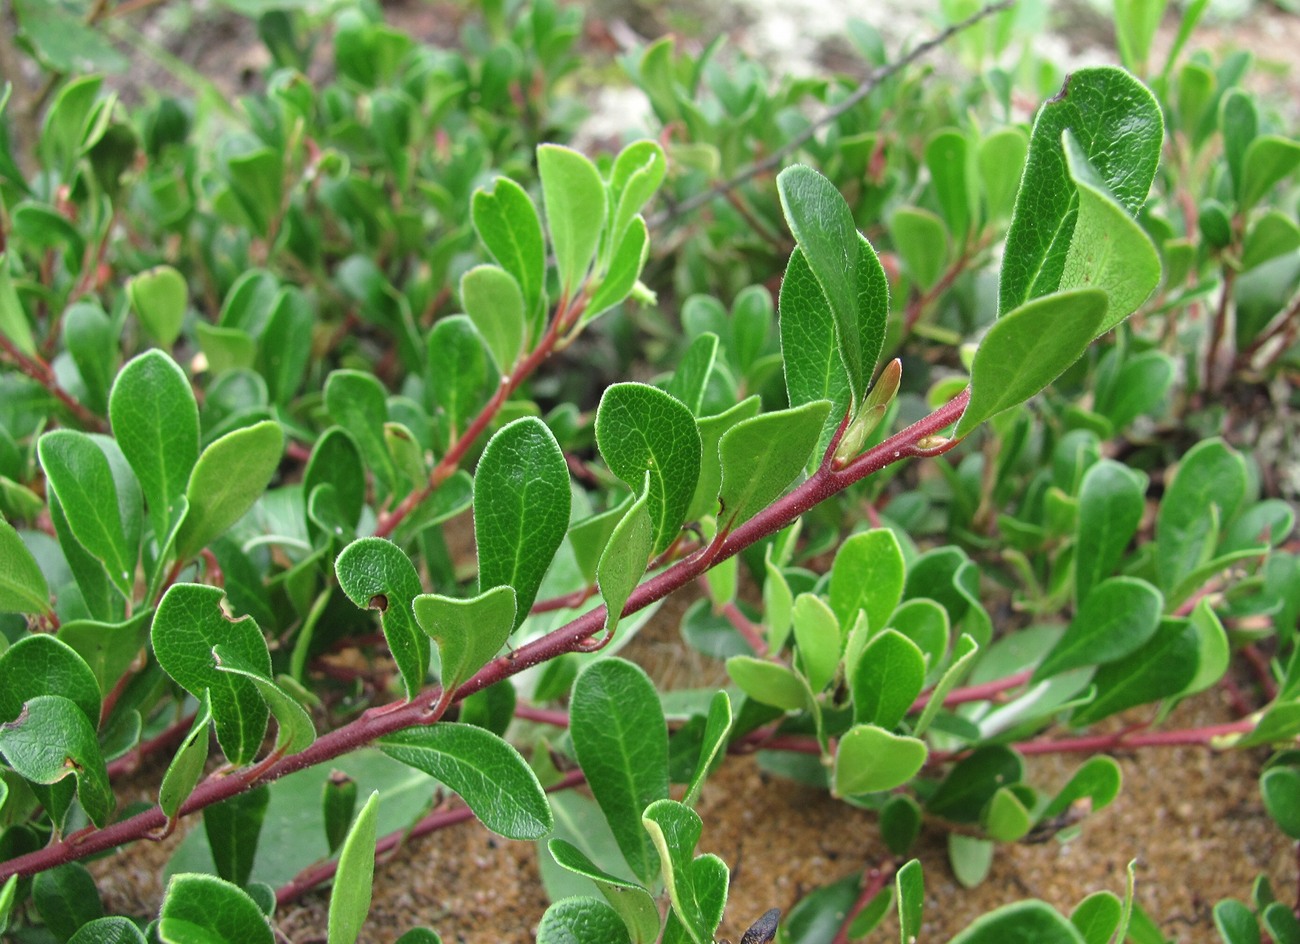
1263	674
1219	329
983	692
1121	740
375	723
558	719
43	374
873	882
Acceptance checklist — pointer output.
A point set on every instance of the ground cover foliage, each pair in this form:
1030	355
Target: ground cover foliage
266	361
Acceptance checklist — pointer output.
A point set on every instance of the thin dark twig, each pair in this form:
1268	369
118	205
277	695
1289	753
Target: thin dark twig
868	85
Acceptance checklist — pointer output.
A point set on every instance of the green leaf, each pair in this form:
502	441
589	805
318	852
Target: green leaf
845	267
13	319
1119	124
42	665
490	776
1005	819
690	380
819	640
868	575
886	679
809	346
769	683
637	173
963	655
633	903
188	624
296	731
461	378
377	574
1213	650
712	429
922	243
1001	160
1274	233
1235	922
187	763
350	899
1281	924
1020	923
159	297
52	738
717	727
156	422
78	473
1239	122
356	401
970	859
576	212
203	909
697	886
948	161
762	456
1028	348
91	340
1211	476
640	429
625	268
507	223
338	803
1136	22
623	562
971	783
1113	621
1269	159
621	740
225	349
900	823
1280	789
910	883
1098	779
232	828
1163	667
285	346
1097	917
22	585
581	921
113	930
493	301
66	898
468	632
1109	249
231	475
1111	502
870	759
521	509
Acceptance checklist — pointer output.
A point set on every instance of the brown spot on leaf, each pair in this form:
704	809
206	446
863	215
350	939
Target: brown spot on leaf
379	602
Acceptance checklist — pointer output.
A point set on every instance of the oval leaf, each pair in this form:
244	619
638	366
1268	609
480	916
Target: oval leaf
377	574
870	759
231	474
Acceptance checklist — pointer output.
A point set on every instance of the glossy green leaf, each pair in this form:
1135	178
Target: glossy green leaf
632	902
1109	250
187	763
1280	789
52	738
769	683
13	319
581	921
203	909
576	211
1113	621
762	456
809	347
886	680
1235	922
338	803
717	727
488	774
336	462
1281	924
1213	652
962	658
900	823
1119	124
1020	923
22	585
621	740
66	898
624	270
296	731
640	429
971	783
507	223
1163	667
188	624
1028	348
1098	780
712	429
461	377
910	885
112	930
232	828
845	267
78	473
108	648
469	633
521	509
102	599
8	892
947	158
1136	22
868	575
156	422
1269	159
697	886
377	574
91	339
225	349
1210	475
1001	160
637	173
1097	917
1005	819
1274	233
818	638
1111	502
870	759
159	297
231	474
285	347
350	899
690	380
494	302
357	402
43	665
922	243
623	562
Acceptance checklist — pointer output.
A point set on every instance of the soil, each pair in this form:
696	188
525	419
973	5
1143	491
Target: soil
1190	817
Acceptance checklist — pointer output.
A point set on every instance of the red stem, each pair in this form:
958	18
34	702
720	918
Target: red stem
872	883
375	723
960	696
43	374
